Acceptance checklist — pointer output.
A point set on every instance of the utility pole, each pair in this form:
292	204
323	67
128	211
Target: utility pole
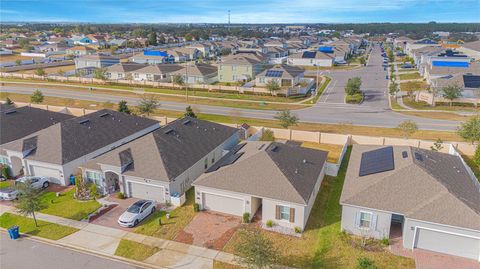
186	81
229	20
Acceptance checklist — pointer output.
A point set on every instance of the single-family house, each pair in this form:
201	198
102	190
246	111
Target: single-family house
95	61
184	54
278	181
204	50
123	70
162	164
277	55
310	58
446	66
58	150
241	66
198	74
155	72
80	50
152	57
468	82
283	75
471	49
426	196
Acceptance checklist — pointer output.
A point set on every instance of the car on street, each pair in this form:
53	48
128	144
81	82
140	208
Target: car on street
137	212
8	194
38	182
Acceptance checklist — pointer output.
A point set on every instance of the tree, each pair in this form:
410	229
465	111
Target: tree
437	145
18	62
273	86
139	32
407	128
40	72
36	97
147	105
177	80
189	112
452	92
286	118
256	251
122	107
353	86
100	73
362	60
393	88
152	38
9	101
28	200
267	135
470	130
476	157
188	37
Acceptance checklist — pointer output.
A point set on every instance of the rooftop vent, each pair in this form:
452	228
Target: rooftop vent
186	122
274	148
418	157
168	131
11	111
261	146
404	154
104	115
84	121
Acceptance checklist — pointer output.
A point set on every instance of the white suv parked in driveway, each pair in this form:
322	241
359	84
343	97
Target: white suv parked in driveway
37	182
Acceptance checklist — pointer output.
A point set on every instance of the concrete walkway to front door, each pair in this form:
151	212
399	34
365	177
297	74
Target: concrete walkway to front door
104	240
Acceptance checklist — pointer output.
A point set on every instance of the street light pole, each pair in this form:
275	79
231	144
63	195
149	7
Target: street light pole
186	81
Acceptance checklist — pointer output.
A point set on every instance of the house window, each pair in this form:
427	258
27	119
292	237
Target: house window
365	219
3	160
94	177
206	163
136	75
213	158
120	75
285	213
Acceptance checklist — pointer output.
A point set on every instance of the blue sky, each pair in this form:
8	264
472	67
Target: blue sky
242	11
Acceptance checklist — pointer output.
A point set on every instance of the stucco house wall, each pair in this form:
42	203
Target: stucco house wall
381	222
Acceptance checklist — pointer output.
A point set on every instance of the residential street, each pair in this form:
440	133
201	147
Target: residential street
41	255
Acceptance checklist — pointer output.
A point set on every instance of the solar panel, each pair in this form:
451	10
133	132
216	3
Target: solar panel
377	161
471	81
309	54
450	64
274	73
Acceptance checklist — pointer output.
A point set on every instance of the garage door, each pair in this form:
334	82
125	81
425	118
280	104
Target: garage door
223	204
52	174
448	243
143	191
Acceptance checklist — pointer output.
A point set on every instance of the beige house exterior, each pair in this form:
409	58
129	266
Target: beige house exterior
241	67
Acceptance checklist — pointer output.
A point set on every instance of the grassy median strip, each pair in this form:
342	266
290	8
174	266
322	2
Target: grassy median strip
27	225
66	206
320	91
408	76
134	250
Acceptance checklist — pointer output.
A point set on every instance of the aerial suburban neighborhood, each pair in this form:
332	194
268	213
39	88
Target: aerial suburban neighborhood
225	135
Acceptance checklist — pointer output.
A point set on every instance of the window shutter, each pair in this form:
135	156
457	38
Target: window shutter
277	212
357	219
292	214
373	224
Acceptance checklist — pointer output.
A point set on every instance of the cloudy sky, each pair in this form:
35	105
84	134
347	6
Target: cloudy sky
242	11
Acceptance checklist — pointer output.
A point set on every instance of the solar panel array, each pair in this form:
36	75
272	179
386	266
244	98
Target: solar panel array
377	161
309	54
274	73
471	81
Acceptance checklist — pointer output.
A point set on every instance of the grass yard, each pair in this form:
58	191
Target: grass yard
6	183
27	225
437	115
410	76
135	251
439	106
413	86
322	245
66	206
394	103
180	217
334	151
14	57
50	70
224	265
475	167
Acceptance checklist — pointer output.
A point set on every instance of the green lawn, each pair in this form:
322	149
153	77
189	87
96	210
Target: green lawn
179	218
27	225
475	167
134	250
334	151
6	183
322	245
410	76
66	206
413	86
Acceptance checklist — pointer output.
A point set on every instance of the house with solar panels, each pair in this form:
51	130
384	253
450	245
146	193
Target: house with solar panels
420	199
444	66
311	58
469	82
283	75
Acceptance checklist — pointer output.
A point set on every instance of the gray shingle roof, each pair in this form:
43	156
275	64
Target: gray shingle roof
74	138
167	152
436	188
272	170
25	120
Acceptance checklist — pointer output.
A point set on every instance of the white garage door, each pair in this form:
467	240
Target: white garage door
448	243
223	204
52	174
143	191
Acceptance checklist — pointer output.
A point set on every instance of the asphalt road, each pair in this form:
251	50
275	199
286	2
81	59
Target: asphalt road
30	254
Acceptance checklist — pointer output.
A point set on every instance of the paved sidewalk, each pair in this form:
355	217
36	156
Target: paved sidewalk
104	240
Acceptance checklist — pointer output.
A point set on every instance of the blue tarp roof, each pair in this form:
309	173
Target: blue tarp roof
450	64
325	49
155	53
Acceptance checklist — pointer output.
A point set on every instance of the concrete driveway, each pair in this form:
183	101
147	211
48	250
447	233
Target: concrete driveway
110	218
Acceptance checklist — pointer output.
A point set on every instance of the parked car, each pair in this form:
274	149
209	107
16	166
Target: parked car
37	182
136	213
406	66
8	194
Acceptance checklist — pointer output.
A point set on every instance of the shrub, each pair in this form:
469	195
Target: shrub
267	135
93	190
5	171
196	207
476	158
120	195
269	223
354	99
298	230
366	263
246	217
385	241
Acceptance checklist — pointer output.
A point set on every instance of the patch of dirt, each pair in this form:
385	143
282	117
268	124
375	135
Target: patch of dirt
220	242
184	237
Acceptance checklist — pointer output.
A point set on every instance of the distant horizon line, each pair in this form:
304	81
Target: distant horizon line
214	23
